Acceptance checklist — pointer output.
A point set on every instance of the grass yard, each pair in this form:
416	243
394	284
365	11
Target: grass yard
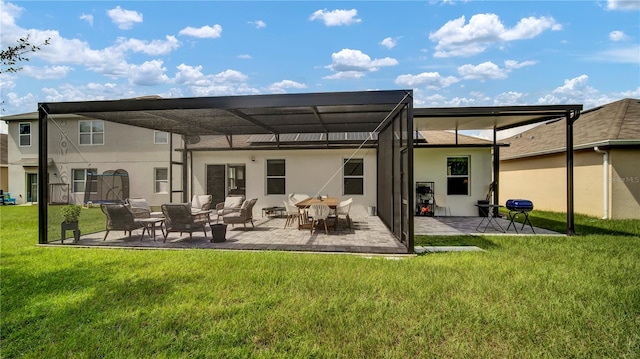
524	297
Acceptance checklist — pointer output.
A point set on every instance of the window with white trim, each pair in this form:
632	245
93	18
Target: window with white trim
353	176
80	180
160	137
458	175
25	134
161	180
276	179
91	132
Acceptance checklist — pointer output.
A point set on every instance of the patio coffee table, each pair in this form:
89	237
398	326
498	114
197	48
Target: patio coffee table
150	225
273	211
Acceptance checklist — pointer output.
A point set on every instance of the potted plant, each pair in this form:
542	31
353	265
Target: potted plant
71	214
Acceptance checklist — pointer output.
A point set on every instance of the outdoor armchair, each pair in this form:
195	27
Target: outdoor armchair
244	215
141	208
231	204
179	218
201	202
120	218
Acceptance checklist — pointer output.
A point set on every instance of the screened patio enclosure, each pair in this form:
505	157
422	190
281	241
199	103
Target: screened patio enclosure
388	114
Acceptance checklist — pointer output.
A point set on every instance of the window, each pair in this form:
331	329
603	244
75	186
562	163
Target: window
91	132
160	137
353	176
80	180
161	179
275	177
25	134
458	175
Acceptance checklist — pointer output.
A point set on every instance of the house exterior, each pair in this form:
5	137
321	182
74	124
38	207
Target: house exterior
79	146
346	168
4	163
606	163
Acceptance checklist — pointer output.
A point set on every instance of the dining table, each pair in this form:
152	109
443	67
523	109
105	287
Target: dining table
303	222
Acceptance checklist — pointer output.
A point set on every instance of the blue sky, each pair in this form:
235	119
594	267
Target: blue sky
451	53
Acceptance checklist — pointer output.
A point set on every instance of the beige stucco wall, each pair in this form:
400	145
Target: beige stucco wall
307	171
542	179
431	165
4	178
125	147
625	183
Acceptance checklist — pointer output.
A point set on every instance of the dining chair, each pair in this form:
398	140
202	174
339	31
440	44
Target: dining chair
343	210
319	212
441	203
293	213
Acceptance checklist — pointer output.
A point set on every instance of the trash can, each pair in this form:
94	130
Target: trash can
483	208
371	210
218	232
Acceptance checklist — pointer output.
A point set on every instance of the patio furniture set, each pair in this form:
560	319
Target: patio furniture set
136	213
311	211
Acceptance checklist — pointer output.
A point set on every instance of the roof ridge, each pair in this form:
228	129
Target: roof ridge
622	115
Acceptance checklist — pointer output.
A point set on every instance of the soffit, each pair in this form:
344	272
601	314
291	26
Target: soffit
485	118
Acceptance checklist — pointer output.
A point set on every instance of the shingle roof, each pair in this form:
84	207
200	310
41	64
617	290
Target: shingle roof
243	142
449	138
616	122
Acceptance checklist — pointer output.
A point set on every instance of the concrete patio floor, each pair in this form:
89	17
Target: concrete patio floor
456	226
368	235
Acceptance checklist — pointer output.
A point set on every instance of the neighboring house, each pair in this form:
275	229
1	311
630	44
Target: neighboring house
79	146
606	163
4	163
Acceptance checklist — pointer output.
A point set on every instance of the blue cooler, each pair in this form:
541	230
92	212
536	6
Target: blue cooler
519	205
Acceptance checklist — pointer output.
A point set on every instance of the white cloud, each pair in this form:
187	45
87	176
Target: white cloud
336	17
149	73
90	92
510	98
490	71
259	24
228	82
484	71
348	63
617	36
511	64
153	48
244	56
625	55
432	80
206	31
282	86
625	5
47	72
389	42
88	18
125	19
576	91
457	38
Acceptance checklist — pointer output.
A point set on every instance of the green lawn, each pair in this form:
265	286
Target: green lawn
524	297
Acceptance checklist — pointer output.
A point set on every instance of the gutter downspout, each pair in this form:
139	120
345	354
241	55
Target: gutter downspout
605	181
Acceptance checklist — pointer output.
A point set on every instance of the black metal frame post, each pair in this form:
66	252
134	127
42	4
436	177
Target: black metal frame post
43	176
570	119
